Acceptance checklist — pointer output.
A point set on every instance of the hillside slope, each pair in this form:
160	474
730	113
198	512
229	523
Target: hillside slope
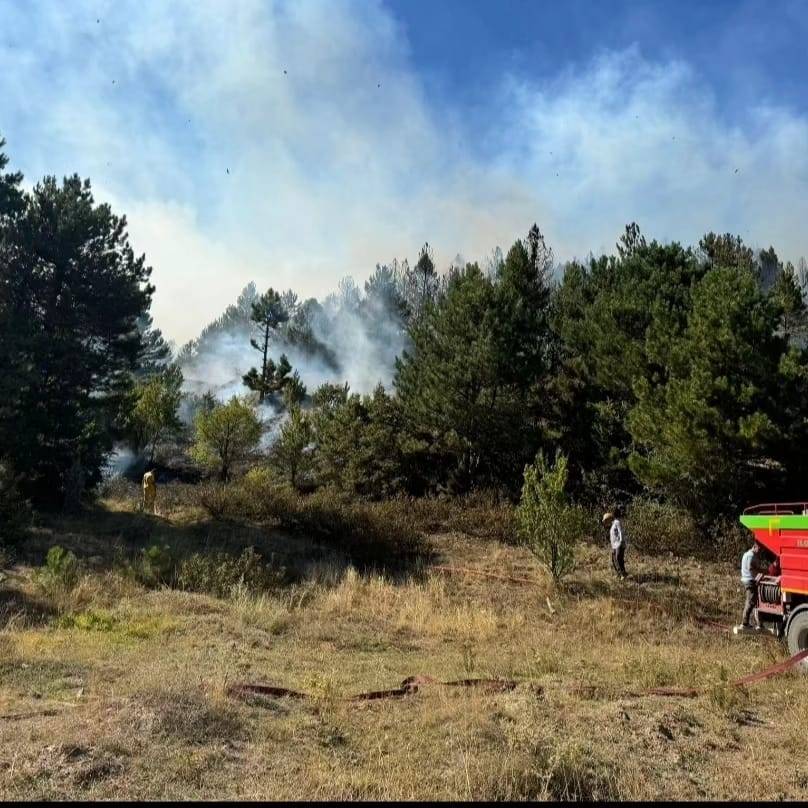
113	690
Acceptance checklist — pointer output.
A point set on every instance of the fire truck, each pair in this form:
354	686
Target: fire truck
782	529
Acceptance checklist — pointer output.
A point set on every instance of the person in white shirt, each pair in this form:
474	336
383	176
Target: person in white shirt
749	563
618	542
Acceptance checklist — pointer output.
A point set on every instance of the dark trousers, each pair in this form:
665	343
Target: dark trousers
618	555
751	602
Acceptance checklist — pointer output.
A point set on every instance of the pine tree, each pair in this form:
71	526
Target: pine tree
268	312
235	321
16	333
302	329
291	454
631	242
726	251
383	301
523	303
155	352
457	411
73	294
422	283
787	295
357	441
617	320
707	434
11	198
548	523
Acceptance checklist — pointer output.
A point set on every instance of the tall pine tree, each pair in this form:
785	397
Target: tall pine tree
268	313
706	436
77	291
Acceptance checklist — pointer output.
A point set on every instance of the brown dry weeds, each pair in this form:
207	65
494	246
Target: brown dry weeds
120	692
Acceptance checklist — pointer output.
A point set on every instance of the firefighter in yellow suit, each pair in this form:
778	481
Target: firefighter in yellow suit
149	492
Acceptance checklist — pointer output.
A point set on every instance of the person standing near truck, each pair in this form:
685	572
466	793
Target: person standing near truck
617	541
749	562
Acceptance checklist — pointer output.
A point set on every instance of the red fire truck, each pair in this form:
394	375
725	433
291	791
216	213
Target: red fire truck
782	529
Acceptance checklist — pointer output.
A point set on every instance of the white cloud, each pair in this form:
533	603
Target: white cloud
330	173
627	139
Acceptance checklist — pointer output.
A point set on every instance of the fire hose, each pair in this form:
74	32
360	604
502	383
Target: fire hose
408	687
412	684
749	679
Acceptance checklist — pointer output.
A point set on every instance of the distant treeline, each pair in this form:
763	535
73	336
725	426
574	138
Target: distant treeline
663	370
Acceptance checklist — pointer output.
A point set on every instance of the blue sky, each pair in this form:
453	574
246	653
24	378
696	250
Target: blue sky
295	143
747	50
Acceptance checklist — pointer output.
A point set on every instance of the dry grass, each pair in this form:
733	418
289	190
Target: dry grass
116	691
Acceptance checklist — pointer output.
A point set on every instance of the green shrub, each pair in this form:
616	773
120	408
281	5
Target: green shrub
656	527
292	453
60	571
372	533
156	565
548	524
225	435
211	573
220	574
88	621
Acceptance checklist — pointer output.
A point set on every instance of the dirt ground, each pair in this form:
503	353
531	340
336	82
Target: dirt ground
118	691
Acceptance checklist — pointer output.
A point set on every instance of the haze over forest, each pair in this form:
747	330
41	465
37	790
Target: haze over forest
292	145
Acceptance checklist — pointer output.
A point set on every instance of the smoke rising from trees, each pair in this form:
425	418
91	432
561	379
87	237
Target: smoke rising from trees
353	336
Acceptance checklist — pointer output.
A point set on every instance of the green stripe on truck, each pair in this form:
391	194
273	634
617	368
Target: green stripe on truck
773	522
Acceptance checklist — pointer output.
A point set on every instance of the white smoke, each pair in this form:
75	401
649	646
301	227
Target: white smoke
119	462
218	368
272	421
364	344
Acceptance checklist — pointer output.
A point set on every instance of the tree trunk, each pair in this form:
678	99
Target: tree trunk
262	391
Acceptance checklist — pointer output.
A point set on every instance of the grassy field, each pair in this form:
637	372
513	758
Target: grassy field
110	689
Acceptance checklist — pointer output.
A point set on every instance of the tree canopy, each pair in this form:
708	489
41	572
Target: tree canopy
664	370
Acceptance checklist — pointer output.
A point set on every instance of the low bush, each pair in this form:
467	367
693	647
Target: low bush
157	565
60	573
186	716
656	527
728	539
578	774
370	533
221	574
88	621
220	500
58	579
172	496
484	514
121	489
217	574
548	524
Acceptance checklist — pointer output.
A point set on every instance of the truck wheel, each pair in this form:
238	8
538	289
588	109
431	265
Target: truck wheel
797	636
